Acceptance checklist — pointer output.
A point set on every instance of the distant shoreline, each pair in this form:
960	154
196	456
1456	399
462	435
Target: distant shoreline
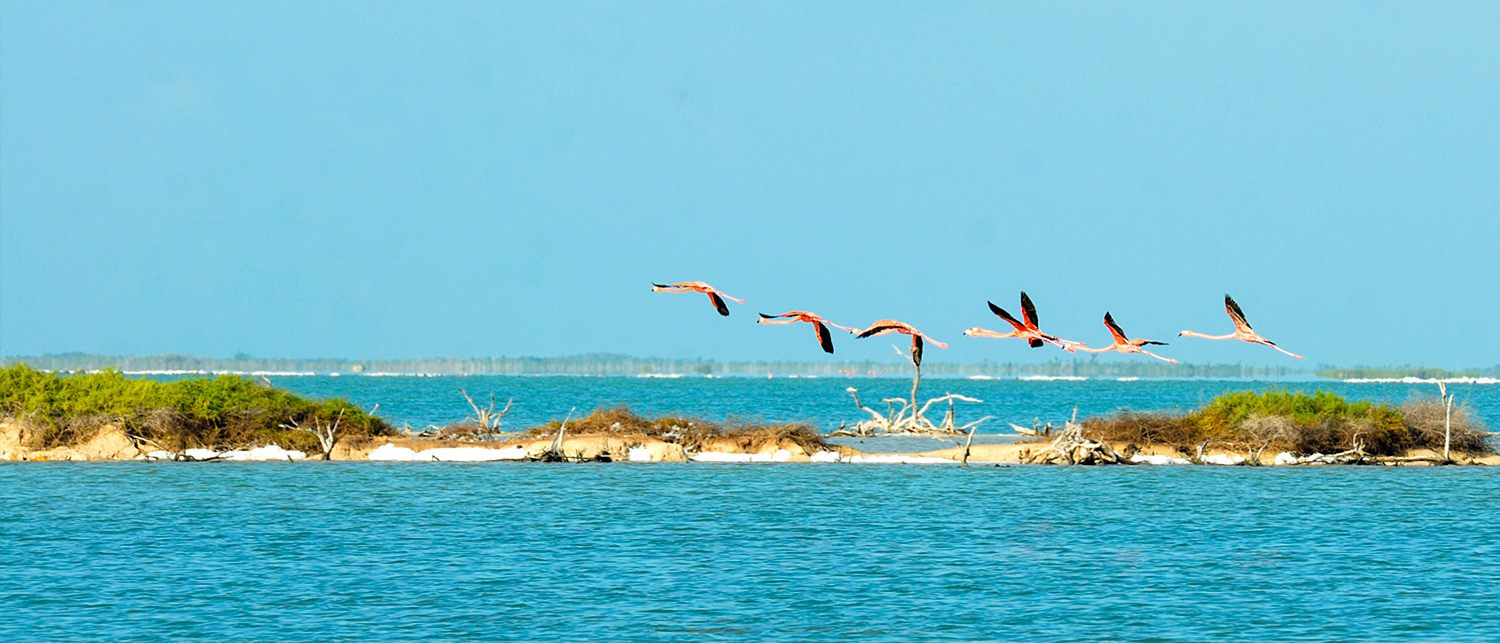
609	364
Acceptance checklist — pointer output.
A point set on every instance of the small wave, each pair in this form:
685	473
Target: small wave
663	376
1128	379
1051	378
1423	380
979	377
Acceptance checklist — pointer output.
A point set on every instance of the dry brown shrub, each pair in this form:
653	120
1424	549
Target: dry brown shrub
77	430
1145	429
688	432
1424	421
1273	431
33	433
167	428
752	438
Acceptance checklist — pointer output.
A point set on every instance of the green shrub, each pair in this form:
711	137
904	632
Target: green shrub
225	411
1296	421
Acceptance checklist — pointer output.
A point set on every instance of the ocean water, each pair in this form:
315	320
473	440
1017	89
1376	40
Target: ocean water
338	551
822	402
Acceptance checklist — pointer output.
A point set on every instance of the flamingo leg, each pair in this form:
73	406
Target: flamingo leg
1284	350
1188	333
1106	349
1164	359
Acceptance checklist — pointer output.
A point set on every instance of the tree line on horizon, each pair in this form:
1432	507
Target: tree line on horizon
616	364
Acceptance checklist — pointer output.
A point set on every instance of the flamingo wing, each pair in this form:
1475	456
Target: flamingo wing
1235	313
878	329
1000	312
1143	342
1114	329
1036	343
824	339
1028	309
916	350
719	304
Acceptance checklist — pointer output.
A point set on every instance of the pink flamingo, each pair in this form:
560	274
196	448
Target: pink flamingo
1125	345
892	326
698	286
1027	330
1242	330
824	339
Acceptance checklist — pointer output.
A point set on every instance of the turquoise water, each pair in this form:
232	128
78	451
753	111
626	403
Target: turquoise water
823	402
514	551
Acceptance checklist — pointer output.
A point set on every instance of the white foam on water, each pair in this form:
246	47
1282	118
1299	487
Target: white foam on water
1050	378
1223	459
266	453
471	454
898	459
1157	460
716	456
392	453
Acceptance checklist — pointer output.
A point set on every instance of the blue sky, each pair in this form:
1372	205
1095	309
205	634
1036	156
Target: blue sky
398	180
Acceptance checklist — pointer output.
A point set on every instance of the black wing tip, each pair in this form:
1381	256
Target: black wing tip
1036	343
660	285
769	316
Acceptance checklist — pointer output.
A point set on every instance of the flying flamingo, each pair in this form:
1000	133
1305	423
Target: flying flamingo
818	323
1242	330
1025	330
891	326
1126	345
698	286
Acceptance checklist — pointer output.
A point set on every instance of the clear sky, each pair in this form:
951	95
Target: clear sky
376	179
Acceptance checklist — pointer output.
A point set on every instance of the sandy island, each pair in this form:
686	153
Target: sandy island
112	444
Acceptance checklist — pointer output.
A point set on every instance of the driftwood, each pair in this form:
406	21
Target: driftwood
554	452
1036	430
902	417
909	419
1070	447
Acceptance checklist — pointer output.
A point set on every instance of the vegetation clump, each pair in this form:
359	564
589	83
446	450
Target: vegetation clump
1298	422
691	433
226	411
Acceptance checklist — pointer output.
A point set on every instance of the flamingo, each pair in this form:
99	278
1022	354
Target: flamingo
892	326
698	286
1025	330
824	339
1125	345
1242	330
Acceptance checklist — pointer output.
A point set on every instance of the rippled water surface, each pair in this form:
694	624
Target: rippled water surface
684	552
824	402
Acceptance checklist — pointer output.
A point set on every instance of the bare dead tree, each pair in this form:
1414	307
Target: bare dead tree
487	418
1447	418
327	434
